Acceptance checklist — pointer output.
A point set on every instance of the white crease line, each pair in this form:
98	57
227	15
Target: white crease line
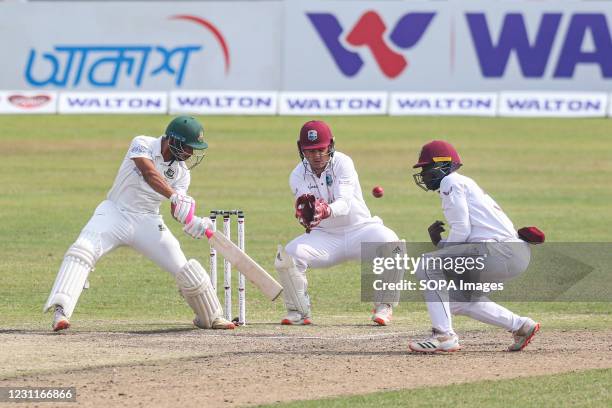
357	337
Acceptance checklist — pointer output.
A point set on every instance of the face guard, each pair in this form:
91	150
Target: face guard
430	177
186	140
185	153
306	162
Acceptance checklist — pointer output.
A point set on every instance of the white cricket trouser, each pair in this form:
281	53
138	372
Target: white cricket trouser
502	262
322	249
109	228
146	233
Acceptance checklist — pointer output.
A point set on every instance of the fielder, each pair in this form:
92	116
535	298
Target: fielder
154	169
478	229
330	205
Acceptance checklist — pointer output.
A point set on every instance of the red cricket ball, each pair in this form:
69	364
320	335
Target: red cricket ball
378	191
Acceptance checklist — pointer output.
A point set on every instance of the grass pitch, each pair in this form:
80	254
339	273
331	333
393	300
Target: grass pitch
584	389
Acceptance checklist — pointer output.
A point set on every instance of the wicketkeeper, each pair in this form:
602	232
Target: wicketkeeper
329	205
153	170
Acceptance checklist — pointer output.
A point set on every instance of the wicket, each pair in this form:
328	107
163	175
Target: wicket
227	267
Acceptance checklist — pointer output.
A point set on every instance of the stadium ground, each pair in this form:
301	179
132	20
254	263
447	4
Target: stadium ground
132	339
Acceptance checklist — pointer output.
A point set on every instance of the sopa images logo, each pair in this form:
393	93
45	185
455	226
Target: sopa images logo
370	31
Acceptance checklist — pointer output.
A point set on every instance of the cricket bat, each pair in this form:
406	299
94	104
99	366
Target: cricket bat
245	264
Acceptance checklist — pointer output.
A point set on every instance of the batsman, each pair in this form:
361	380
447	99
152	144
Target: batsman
153	170
329	205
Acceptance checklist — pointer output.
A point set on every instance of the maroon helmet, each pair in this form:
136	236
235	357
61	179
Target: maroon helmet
315	135
437	160
437	151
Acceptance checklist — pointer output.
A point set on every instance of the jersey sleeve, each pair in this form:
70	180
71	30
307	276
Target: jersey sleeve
344	187
455	207
182	184
140	148
298	184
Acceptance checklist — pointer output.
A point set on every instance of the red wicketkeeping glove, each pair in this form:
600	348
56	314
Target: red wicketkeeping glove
305	210
321	212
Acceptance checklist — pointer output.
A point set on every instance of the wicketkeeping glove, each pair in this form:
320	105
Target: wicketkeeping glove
321	212
305	210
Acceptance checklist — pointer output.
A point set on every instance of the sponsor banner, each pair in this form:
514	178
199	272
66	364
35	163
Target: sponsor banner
224	102
98	46
448	46
553	104
333	103
113	102
457	104
28	102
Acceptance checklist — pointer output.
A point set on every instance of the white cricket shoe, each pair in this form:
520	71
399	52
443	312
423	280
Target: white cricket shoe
60	321
383	313
523	336
294	317
220	323
438	342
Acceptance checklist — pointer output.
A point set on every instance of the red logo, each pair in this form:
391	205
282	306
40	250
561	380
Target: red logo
29	102
215	32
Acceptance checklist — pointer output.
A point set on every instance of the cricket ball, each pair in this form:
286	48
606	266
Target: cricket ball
378	191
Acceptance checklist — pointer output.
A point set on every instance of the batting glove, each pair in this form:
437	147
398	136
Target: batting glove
182	208
197	227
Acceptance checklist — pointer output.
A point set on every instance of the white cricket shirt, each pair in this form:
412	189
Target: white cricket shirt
339	186
472	215
131	192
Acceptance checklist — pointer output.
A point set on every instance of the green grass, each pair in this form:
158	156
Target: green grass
56	169
583	389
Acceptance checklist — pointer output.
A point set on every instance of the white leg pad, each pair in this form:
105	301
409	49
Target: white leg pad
196	288
78	261
294	283
394	275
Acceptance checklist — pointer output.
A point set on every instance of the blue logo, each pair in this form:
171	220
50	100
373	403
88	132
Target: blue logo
112	65
312	135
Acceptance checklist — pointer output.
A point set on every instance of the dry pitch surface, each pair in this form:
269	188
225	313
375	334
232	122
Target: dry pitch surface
264	363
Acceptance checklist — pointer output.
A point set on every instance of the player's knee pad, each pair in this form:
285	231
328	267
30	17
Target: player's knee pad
392	276
196	287
295	285
78	261
86	248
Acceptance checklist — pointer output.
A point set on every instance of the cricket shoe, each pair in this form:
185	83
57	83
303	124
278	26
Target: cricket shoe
220	323
438	342
60	321
294	317
383	313
523	336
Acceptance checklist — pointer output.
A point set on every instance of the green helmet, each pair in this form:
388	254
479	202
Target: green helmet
186	131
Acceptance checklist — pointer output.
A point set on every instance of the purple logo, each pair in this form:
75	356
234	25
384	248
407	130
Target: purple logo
370	31
533	56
